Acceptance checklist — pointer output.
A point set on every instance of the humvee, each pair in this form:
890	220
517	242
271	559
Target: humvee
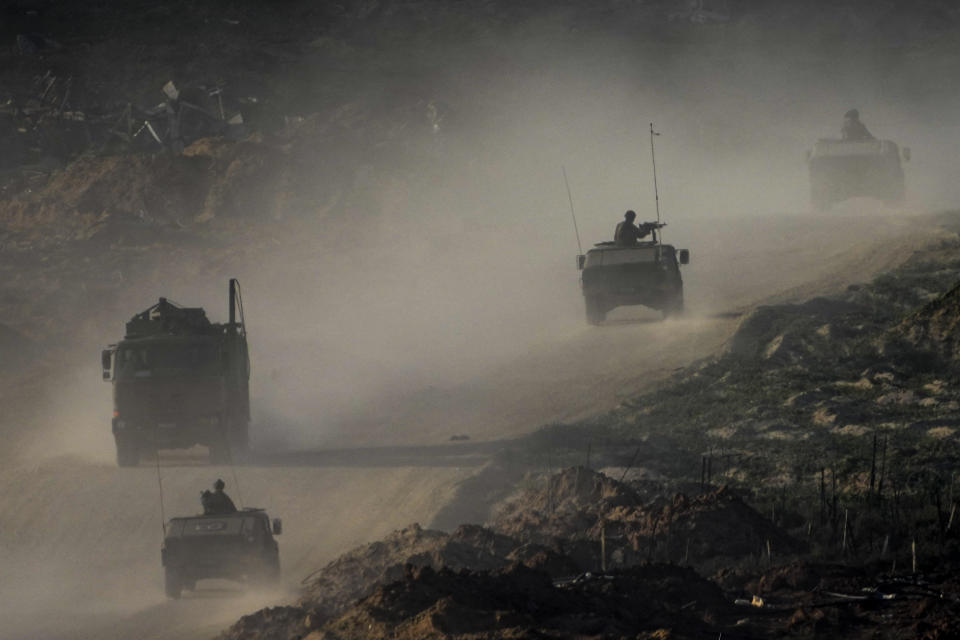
842	169
180	380
237	546
645	274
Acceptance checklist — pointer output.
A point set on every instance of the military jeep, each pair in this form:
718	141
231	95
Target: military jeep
236	546
645	274
842	169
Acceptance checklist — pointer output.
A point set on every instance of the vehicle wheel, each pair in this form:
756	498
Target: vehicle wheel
172	584
231	443
269	575
673	308
596	312
239	441
896	197
219	451
128	451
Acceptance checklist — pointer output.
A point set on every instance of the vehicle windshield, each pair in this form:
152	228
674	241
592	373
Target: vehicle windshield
163	359
202	527
609	257
848	147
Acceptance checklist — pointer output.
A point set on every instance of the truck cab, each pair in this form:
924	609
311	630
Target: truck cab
179	380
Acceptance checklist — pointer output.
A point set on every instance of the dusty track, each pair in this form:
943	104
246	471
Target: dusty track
79	539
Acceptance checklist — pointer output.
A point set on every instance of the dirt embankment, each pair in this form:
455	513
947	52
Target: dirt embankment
531	555
419	583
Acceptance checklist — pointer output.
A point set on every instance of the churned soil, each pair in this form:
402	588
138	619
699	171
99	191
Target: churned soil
579	506
653	601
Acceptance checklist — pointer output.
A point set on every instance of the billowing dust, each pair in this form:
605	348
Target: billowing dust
455	308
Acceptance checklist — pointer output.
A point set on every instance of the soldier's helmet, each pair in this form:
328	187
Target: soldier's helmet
853	113
630	215
219	484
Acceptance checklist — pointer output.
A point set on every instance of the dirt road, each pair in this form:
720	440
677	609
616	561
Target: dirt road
79	538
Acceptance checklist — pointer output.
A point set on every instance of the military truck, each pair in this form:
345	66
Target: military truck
842	169
180	380
645	274
238	546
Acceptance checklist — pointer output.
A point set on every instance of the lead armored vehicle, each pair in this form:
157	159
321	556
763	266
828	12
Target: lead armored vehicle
180	380
645	274
842	169
238	546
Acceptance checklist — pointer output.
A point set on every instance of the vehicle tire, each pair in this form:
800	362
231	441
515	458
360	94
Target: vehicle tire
172	583
674	307
219	451
596	312
128	451
896	196
239	441
269	575
221	444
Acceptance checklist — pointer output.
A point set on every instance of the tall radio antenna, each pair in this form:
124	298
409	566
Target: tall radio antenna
572	214
653	159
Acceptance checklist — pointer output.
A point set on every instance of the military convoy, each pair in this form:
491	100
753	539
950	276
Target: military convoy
180	380
234	546
842	169
647	274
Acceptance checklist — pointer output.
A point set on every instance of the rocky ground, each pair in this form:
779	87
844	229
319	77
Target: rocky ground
480	582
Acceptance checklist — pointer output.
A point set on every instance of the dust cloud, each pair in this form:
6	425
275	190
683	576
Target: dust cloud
471	264
447	301
462	259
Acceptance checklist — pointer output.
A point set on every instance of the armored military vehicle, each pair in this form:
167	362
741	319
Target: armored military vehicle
180	380
237	546
842	169
645	274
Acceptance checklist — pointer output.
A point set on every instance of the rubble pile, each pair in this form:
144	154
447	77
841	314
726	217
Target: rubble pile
579	507
354	574
813	598
650	601
570	506
579	523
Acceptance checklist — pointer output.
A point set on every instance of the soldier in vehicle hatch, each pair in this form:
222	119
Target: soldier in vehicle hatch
627	234
853	129
217	502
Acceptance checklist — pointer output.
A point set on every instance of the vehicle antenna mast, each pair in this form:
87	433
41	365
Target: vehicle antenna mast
656	191
572	214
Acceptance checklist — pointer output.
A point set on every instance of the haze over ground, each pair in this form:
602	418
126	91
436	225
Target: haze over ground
425	285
